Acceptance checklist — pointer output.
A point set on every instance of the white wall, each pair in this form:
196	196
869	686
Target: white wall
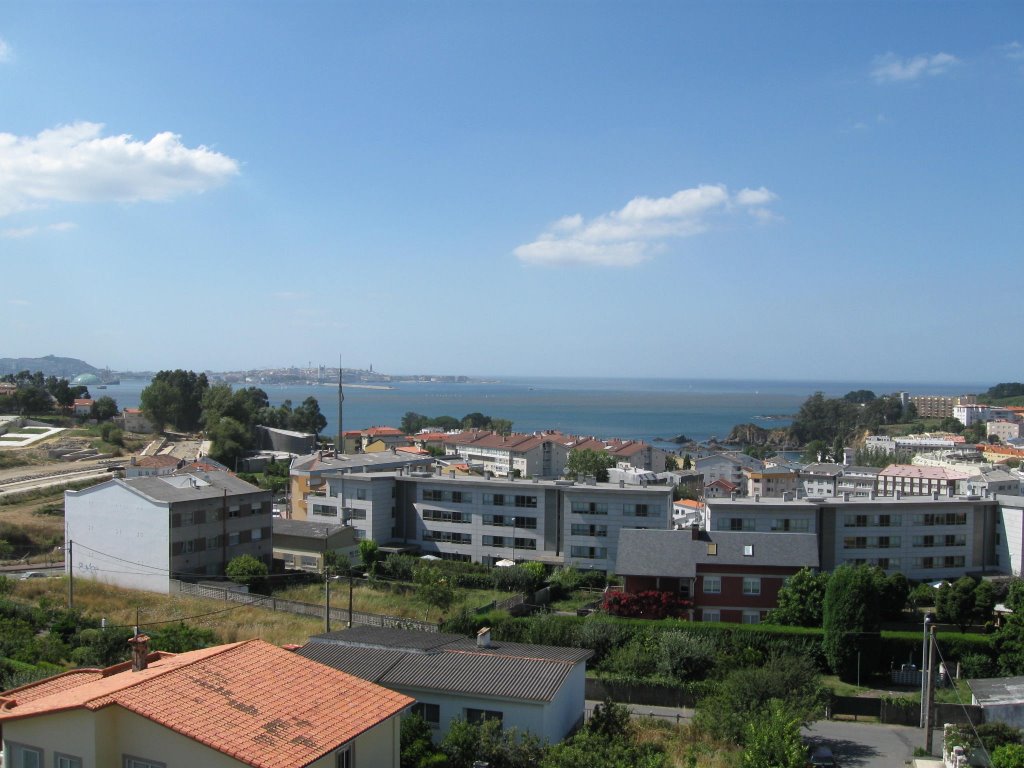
109	525
1011	530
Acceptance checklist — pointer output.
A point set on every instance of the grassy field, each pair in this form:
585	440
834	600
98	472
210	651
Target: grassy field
686	746
387	602
118	607
34	526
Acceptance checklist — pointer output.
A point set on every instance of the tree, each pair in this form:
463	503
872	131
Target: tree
745	693
687	462
773	739
230	441
433	587
859	396
307	417
671	463
501	426
475	420
413	422
247	570
104	409
467	743
955	604
175	398
417	744
850	619
800	600
586	462
369	554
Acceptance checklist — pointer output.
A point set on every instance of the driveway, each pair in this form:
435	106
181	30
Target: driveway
869	745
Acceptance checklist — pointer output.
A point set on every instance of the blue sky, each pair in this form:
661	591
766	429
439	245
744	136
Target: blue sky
750	190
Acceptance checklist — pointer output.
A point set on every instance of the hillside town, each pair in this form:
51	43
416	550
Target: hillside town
702	535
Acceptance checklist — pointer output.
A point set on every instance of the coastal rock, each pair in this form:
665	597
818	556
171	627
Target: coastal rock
751	434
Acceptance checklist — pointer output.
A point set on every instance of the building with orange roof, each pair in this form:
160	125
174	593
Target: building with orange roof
243	704
542	454
82	406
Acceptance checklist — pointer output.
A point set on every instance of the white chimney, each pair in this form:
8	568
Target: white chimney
483	638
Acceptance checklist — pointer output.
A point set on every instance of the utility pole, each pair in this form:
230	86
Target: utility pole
349	622
339	446
930	690
71	575
327	585
924	663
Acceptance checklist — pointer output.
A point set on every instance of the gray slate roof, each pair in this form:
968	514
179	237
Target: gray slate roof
676	554
176	488
306	528
990	691
426	661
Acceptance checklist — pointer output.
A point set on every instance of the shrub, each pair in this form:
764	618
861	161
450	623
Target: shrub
646	605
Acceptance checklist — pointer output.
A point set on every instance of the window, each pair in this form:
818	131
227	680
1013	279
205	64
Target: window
447	516
139	762
712	548
233	539
636	510
360	494
526	543
448	537
748	550
24	756
186	518
707	615
584	529
344	757
431	713
321	510
477	716
590	507
257	534
589	553
751	585
310	561
529	502
751	617
712	585
66	761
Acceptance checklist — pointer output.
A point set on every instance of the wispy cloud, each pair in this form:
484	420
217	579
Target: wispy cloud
18	232
1013	51
635	232
75	163
890	68
5	51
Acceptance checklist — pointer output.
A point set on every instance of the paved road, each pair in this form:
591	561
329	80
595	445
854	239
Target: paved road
855	744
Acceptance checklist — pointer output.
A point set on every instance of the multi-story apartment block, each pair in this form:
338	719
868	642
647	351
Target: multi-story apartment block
939	406
727	466
923	537
772	481
141	532
486	520
911	480
307	474
859	482
821	479
540	455
1004	429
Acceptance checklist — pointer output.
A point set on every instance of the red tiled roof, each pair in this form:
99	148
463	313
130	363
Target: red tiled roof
722	483
260	704
380	431
412	449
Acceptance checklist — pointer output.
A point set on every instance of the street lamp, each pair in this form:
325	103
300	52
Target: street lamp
928	617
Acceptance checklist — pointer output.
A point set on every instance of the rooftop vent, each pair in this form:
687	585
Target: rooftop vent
140	651
483	637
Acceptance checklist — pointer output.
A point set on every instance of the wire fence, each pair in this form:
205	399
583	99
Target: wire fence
300	608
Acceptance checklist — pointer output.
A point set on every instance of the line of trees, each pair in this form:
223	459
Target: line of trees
413	422
37	394
838	420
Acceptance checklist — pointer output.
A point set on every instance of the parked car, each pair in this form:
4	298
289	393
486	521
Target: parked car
822	757
32	575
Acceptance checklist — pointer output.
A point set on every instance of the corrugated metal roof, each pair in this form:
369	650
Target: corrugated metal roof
367	663
480	674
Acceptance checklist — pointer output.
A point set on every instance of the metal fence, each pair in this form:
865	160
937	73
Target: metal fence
302	609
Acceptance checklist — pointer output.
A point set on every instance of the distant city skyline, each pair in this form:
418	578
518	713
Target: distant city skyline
781	191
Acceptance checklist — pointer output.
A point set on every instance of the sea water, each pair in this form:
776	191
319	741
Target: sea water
643	409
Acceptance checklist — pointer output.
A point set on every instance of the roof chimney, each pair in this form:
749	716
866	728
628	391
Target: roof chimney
140	650
483	638
694	531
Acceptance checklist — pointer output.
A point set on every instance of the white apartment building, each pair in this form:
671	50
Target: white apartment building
140	532
487	520
727	466
541	455
923	537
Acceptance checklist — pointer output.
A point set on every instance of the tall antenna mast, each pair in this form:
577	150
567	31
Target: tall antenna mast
339	447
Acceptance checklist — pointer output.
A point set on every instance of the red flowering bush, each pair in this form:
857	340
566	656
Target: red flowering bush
646	605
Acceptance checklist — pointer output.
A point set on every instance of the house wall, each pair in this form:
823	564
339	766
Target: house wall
1010	543
71	733
1011	714
110	519
121	732
379	746
526	716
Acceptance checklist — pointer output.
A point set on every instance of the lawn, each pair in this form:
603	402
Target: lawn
34	525
390	603
577	599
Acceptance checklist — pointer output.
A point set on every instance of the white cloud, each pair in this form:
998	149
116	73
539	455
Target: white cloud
75	163
638	230
18	232
890	68
1013	51
5	51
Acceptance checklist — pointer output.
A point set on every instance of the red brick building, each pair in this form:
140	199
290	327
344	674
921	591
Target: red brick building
730	576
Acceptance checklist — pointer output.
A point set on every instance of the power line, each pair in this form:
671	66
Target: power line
956	692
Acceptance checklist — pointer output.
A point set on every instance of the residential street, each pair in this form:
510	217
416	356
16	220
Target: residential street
855	744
